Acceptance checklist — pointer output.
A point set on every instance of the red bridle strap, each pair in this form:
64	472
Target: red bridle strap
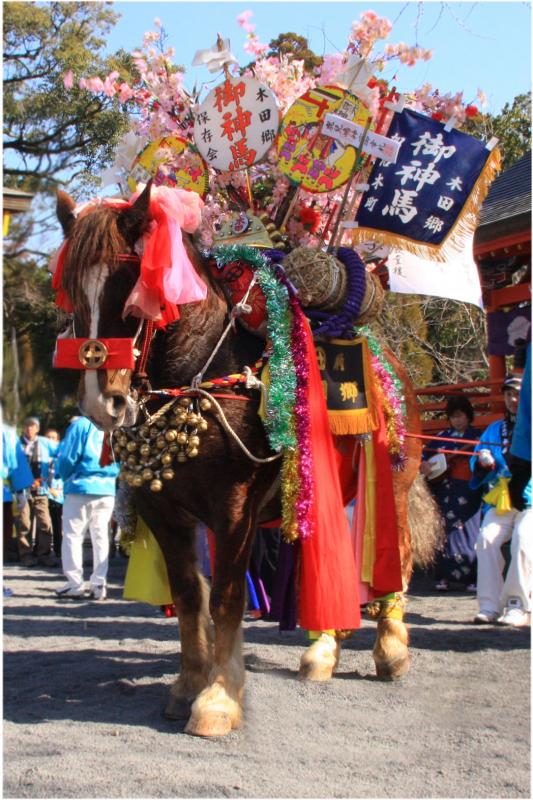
94	354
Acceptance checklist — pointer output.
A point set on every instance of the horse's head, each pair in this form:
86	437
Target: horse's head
98	273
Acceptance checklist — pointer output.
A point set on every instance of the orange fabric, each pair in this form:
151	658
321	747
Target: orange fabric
328	583
62	298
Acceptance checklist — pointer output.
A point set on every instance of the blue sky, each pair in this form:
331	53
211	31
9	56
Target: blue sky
485	45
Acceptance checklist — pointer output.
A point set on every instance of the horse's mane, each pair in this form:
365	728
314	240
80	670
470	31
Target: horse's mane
94	238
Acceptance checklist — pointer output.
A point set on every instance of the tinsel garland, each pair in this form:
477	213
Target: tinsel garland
282	391
304	496
340	325
389	388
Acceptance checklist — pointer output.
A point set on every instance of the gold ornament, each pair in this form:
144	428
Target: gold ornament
184	402
173	448
132	461
153	432
167	474
144	431
137	481
192	452
156	485
131	446
181	457
160	442
182	438
192	418
166	459
205	404
144	450
147	474
202	424
170	435
194	441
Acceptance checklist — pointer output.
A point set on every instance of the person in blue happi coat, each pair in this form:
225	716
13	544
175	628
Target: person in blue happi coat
17	478
89	499
508	517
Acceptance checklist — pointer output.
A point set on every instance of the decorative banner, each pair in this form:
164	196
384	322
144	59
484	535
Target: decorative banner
456	278
431	196
306	156
350	133
505	327
173	162
346	379
94	354
236	124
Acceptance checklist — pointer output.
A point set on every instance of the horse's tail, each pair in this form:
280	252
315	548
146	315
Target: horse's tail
425	523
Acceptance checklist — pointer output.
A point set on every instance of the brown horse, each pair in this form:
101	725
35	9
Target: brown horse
223	487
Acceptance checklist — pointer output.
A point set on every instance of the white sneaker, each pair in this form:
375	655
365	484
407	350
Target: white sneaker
98	593
69	591
514	614
485	618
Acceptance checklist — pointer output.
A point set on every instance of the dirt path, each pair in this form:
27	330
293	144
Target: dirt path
85	684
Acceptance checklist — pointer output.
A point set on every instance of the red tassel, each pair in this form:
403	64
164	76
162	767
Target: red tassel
105	455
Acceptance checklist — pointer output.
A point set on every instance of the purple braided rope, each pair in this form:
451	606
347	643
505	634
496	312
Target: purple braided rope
341	325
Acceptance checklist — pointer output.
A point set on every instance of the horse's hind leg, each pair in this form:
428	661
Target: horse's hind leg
391	649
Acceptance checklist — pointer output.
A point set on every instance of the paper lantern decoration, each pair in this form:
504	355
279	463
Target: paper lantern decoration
236	124
170	161
318	163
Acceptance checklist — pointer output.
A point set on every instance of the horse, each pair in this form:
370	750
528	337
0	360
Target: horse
220	485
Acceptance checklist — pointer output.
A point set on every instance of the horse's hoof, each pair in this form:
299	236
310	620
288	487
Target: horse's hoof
320	659
178	708
392	670
213	723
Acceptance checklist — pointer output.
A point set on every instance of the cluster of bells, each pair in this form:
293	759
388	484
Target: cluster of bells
148	451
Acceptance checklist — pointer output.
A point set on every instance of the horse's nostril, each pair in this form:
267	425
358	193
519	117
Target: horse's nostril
119	403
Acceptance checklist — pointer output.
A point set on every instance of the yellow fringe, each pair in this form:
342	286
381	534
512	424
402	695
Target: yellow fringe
349	423
146	576
369	535
499	496
460	233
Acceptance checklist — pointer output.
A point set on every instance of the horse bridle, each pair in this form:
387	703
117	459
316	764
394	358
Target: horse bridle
129	353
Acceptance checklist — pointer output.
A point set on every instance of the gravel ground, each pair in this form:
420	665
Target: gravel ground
85	684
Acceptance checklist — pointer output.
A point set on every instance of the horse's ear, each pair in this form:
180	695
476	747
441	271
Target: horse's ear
65	211
133	220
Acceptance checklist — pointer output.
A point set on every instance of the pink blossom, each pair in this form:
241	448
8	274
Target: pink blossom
68	79
243	20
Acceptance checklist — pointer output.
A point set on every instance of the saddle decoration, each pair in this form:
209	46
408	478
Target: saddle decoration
167	277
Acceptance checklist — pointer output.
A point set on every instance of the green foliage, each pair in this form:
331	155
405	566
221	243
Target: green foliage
48	129
296	48
512	126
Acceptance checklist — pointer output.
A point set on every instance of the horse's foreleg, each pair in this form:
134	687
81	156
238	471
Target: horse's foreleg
196	650
391	649
218	709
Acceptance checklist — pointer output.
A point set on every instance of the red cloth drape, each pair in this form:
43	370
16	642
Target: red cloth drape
328	581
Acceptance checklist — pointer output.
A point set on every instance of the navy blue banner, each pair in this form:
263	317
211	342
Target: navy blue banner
423	194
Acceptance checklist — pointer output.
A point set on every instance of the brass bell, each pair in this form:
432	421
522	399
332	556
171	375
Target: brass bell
173	448
170	435
203	424
181	457
130	477
184	402
132	461
180	417
192	418
144	431
167	458
205	404
147	474
156	485
153	431
161	422
144	450
160	442
182	437
167	474
131	446
137	481
194	441
192	452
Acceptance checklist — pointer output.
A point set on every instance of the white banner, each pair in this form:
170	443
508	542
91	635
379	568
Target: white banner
457	278
351	133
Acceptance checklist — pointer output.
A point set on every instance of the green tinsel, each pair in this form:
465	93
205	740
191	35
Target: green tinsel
282	391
